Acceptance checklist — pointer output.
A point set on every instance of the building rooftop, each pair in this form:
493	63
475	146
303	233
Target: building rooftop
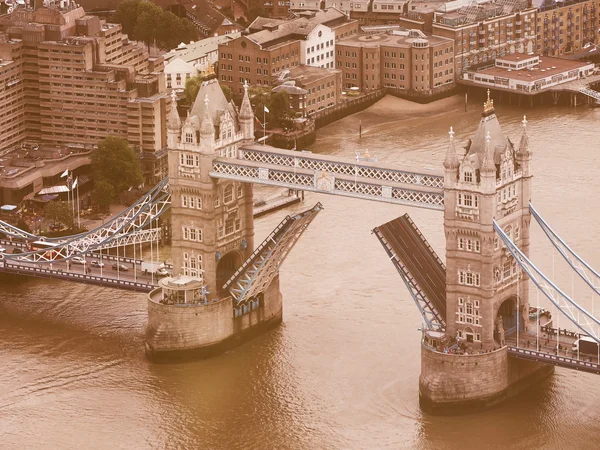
546	67
403	38
265	30
310	74
461	12
196	50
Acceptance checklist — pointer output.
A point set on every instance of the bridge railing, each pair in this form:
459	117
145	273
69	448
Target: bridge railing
557	360
60	274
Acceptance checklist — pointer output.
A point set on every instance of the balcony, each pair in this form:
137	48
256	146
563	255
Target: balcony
518	23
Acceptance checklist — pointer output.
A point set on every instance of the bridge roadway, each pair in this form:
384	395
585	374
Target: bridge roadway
132	279
419	259
547	351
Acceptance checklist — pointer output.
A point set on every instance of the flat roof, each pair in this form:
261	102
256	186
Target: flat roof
310	74
547	67
377	40
517	57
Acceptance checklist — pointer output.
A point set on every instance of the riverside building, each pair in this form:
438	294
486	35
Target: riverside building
67	77
407	60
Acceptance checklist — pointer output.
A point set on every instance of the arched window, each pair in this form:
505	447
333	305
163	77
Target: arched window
228	194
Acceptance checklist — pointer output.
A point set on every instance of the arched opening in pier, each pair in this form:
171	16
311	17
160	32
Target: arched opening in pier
226	267
506	319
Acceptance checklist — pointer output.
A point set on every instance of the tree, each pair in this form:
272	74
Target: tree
60	212
116	163
103	194
192	86
255	12
144	21
226	91
279	107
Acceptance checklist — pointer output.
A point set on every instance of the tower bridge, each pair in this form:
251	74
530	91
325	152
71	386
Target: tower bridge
479	344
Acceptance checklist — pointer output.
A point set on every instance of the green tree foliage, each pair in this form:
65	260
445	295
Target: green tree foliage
227	91
60	212
192	86
278	105
103	194
116	163
253	13
147	22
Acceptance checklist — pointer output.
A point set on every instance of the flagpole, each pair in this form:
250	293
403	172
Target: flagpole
78	216
264	124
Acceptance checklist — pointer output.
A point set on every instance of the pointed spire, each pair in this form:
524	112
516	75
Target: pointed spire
173	121
524	143
246	108
206	126
451	160
488	165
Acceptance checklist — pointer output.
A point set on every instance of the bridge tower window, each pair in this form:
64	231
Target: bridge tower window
228	194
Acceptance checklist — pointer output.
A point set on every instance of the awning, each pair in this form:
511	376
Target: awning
53	190
45	198
8	207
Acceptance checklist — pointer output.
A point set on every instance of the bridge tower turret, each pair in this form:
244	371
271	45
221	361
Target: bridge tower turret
487	297
173	123
247	117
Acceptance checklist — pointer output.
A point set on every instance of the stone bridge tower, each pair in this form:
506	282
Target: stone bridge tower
492	181
213	224
213	234
487	295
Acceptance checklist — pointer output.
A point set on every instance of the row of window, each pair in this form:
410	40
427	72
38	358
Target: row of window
232	224
191	234
470	245
192	265
469	278
191	201
320	46
467	311
467	200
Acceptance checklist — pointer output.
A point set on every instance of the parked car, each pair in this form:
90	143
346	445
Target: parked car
78	260
162	272
96	263
120	267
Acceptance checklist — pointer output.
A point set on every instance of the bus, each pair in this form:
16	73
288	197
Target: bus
43	245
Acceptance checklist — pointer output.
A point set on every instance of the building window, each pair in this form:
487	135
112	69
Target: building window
228	194
468	311
239	190
469	278
468	177
229	225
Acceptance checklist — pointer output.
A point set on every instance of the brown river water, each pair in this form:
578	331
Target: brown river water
342	370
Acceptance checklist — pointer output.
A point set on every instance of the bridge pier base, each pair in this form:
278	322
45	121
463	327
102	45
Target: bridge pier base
194	331
459	384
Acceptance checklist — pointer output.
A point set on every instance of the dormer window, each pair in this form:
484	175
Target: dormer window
468	177
189	138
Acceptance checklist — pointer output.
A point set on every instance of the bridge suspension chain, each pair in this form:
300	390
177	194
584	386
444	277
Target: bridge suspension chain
582	268
560	299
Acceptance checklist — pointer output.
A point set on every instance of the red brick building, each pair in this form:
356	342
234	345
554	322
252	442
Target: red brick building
406	60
